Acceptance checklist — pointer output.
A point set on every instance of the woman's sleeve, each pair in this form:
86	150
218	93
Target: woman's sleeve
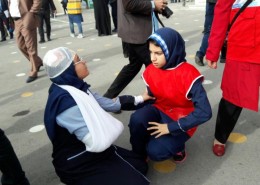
202	110
73	121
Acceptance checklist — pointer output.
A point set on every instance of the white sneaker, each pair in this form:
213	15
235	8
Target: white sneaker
72	35
80	36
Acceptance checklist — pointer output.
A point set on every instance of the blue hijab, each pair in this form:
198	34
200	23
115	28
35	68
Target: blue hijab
172	45
59	100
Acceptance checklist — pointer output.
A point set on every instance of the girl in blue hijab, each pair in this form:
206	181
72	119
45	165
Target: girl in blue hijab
159	131
81	131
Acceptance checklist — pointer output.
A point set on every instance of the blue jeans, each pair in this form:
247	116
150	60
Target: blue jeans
207	27
72	27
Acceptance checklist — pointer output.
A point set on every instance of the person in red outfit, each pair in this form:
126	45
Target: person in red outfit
241	76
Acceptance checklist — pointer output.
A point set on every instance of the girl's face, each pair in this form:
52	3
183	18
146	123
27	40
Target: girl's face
157	56
80	67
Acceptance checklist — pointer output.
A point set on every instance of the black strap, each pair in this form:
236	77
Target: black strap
159	20
239	12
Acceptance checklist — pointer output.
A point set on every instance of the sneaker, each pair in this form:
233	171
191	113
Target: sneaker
72	35
114	30
41	41
199	60
80	36
180	157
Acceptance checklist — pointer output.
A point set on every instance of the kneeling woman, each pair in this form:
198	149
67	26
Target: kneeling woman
82	132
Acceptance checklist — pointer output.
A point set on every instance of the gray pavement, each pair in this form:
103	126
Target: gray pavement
22	107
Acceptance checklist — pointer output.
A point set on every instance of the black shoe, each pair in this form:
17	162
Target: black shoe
199	60
118	112
41	41
31	79
49	39
180	157
114	30
4	39
222	60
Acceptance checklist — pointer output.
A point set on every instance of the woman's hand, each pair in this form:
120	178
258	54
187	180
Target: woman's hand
147	97
159	129
211	64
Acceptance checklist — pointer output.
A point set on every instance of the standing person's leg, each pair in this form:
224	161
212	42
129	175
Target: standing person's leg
80	30
71	24
41	30
47	20
9	164
204	43
114	15
138	55
3	37
30	37
227	117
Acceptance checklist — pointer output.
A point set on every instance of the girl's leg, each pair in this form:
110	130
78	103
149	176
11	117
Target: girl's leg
139	136
227	117
80	28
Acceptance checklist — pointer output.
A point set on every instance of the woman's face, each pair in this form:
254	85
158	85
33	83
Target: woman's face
80	67
157	56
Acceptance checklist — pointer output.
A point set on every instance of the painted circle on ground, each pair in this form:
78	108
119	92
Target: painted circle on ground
93	39
68	43
96	59
206	82
36	128
166	166
79	50
20	74
26	94
14	53
108	45
43	47
176	23
186	40
16	61
237	138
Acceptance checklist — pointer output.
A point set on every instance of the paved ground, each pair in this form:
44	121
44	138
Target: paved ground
22	106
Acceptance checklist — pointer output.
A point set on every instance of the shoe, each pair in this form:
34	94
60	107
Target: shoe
222	60
72	35
180	157
31	79
80	36
218	149
199	60
4	39
41	41
49	39
118	112
114	30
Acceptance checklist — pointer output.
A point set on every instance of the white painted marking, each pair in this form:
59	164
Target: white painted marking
37	128
20	74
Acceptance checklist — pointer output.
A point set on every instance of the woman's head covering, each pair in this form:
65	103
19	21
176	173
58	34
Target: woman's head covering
60	68
172	45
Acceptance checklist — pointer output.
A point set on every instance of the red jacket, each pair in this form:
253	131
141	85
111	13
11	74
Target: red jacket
244	35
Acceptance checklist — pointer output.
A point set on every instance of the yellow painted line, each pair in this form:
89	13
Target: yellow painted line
166	166
79	50
237	138
26	94
191	56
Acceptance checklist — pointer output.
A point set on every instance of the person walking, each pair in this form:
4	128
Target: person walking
26	20
135	25
113	4
5	20
47	8
241	76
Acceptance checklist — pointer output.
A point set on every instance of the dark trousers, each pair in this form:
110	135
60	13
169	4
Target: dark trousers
157	149
227	117
9	164
138	55
114	13
45	18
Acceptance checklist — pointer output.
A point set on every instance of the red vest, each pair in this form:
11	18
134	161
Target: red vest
171	88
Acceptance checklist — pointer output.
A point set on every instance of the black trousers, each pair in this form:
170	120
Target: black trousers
114	13
138	55
227	117
9	164
45	18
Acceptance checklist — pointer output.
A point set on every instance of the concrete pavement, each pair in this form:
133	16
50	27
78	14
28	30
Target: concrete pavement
22	107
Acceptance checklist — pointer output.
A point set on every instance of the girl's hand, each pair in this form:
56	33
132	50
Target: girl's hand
159	129
147	97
